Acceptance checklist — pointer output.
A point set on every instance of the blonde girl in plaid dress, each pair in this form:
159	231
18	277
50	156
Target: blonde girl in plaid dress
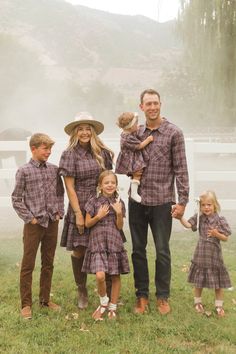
132	157
207	269
105	253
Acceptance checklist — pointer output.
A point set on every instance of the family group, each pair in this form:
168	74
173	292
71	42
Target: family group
153	156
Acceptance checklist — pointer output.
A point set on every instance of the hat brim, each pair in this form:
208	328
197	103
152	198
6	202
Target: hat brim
98	126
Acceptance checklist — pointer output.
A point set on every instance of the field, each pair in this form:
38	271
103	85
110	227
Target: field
74	331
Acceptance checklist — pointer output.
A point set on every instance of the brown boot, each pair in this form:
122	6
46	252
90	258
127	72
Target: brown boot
141	305
80	280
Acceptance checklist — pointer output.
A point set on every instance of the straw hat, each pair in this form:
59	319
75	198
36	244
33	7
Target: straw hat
84	118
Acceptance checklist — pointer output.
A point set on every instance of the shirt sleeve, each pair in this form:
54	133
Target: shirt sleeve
224	227
67	164
130	142
90	206
60	195
17	197
193	222
180	167
107	159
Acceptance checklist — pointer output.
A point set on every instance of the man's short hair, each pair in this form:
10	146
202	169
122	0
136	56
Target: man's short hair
150	92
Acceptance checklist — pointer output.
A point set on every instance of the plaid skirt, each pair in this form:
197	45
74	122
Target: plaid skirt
113	263
207	269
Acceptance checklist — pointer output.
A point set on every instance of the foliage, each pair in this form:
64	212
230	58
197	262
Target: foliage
208	29
74	331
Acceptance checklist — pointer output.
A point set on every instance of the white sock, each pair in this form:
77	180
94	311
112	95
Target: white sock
197	300
112	307
219	303
104	300
134	190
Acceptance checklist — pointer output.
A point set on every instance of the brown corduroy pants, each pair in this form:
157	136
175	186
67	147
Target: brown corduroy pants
33	235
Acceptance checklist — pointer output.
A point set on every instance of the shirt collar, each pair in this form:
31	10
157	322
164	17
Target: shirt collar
79	149
161	128
37	163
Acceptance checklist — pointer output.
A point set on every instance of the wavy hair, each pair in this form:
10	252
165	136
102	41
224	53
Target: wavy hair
96	145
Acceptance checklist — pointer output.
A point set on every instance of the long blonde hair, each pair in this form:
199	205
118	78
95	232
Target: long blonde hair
96	145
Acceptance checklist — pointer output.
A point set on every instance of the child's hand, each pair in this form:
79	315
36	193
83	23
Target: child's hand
117	206
150	138
212	232
103	211
34	221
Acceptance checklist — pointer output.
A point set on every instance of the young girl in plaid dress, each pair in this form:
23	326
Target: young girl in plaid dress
207	269
132	157
105	253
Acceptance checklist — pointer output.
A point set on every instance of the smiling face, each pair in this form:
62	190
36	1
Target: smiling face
41	153
84	134
108	185
151	106
207	206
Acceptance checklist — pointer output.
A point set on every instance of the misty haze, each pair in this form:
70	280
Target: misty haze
57	59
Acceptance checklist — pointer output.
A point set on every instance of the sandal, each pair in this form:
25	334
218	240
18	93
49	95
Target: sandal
99	312
220	311
199	308
111	315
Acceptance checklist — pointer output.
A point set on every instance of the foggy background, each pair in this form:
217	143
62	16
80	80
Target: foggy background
58	59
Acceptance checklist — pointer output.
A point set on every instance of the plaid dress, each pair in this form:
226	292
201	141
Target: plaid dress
80	164
130	159
207	269
105	251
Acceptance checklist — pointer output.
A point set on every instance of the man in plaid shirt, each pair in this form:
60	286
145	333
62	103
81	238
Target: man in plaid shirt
165	168
38	199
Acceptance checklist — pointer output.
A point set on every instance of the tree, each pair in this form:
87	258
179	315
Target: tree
208	29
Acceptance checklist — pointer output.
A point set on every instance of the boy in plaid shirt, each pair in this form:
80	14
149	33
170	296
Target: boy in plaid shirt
38	199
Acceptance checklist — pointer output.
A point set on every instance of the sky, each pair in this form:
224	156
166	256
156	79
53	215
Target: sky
159	10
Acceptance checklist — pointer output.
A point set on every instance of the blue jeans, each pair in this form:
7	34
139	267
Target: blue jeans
160	221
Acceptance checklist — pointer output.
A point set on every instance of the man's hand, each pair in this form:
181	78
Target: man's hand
177	211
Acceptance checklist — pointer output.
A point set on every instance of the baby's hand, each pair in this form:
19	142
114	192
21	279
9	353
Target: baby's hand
150	138
103	211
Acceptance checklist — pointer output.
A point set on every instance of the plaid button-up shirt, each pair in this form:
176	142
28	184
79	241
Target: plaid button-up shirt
38	193
166	167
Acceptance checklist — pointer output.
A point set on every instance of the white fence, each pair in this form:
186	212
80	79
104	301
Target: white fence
193	149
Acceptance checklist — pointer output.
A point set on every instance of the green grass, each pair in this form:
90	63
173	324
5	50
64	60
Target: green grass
182	331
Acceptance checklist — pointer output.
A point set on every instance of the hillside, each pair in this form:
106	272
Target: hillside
57	59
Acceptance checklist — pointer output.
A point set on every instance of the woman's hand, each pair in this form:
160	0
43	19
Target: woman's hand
80	222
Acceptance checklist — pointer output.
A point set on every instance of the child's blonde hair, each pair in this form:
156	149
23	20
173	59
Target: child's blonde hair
38	139
125	119
104	174
212	196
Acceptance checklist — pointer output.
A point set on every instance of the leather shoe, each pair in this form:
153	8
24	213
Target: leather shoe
163	306
26	313
50	305
141	305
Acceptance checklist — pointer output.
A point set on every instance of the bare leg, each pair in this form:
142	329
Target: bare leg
198	300
101	283
115	290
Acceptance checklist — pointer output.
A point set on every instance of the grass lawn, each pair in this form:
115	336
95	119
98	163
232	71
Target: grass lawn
74	331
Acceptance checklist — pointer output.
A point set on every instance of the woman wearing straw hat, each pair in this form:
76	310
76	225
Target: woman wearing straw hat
80	165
